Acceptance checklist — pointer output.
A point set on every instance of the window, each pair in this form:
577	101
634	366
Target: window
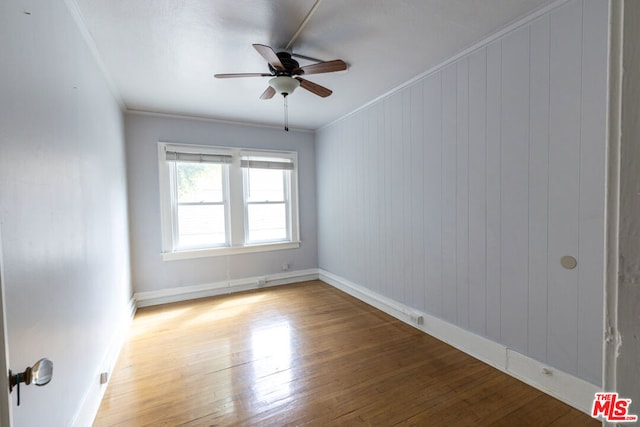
201	206
266	193
218	201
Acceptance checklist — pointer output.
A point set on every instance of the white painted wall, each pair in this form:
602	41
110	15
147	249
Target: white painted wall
458	194
5	398
63	210
627	351
149	271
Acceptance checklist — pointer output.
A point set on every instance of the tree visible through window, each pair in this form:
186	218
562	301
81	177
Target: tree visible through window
201	205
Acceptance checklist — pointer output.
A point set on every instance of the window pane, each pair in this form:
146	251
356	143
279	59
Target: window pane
265	185
199	182
201	225
267	222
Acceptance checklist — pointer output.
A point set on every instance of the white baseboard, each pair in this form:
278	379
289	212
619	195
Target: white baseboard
165	296
561	385
91	402
565	387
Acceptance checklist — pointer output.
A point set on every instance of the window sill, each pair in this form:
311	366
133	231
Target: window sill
235	250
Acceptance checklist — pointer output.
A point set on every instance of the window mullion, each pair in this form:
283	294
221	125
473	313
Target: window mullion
287	201
174	205
236	204
226	197
246	193
292	185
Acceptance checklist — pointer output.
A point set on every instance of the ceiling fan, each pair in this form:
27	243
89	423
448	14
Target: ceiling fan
285	71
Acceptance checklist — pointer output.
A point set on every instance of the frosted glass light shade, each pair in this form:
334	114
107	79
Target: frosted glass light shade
284	84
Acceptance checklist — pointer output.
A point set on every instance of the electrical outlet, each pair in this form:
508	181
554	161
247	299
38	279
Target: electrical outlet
285	266
262	281
416	318
104	377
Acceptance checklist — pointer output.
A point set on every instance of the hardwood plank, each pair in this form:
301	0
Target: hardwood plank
306	354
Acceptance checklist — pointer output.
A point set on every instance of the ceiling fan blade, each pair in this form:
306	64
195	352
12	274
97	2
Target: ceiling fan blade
268	93
234	75
269	55
314	88
323	67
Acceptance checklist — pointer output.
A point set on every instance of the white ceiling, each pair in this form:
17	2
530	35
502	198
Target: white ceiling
162	54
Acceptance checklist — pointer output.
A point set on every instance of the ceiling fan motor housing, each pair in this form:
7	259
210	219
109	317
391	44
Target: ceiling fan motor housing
290	65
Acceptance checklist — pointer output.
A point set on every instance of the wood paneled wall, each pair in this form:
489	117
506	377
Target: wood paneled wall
459	193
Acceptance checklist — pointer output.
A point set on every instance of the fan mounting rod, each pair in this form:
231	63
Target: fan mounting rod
304	24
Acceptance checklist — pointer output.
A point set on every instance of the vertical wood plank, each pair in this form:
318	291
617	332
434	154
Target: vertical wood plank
433	192
564	171
375	185
462	191
340	196
324	190
417	196
515	198
365	221
329	192
493	183
362	217
375	139
477	190
344	162
592	189
407	150
377	128
397	197
348	179
349	172
322	165
538	188
449	196
388	226
353	203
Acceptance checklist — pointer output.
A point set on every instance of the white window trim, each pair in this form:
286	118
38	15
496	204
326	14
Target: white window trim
236	207
291	192
228	250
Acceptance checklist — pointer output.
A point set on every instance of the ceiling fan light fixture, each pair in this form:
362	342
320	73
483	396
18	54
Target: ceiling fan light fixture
284	85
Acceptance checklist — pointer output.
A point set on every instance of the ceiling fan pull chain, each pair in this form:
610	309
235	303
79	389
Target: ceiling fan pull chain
286	114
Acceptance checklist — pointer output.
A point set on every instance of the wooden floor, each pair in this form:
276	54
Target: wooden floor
307	354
